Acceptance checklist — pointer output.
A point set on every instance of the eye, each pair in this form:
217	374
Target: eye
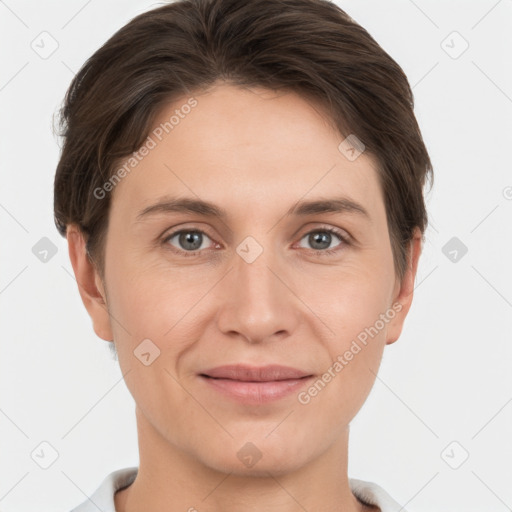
190	241
321	239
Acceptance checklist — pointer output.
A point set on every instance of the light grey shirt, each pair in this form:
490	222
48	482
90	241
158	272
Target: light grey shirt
103	497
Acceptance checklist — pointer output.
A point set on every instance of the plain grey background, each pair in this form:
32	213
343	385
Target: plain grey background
435	430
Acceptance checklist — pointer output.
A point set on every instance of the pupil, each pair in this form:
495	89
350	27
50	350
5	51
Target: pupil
191	237
322	238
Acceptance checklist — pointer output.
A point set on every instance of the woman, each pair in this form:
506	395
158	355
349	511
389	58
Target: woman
241	188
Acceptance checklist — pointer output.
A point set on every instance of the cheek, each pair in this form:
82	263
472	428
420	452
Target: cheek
151	327
355	353
357	312
149	299
348	300
361	333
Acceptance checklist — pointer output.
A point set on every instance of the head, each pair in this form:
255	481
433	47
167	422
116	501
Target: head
244	130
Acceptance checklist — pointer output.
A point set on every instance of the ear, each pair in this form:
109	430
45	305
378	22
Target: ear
404	290
89	283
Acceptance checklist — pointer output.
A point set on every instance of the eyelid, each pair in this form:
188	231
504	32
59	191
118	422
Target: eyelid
342	233
345	240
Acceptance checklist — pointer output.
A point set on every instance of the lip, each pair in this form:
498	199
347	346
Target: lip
255	384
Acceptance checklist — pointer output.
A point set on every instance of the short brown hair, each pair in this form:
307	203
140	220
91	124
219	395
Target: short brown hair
310	47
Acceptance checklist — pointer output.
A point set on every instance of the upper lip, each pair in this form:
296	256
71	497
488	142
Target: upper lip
255	373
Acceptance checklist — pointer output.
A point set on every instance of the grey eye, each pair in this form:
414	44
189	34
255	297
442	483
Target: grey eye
320	239
189	240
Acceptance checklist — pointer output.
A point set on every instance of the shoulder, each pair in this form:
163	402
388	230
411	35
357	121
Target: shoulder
372	494
103	497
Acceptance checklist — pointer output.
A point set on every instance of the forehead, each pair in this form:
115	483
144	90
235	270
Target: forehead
246	148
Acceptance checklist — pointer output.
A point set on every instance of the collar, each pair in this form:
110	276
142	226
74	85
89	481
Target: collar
103	497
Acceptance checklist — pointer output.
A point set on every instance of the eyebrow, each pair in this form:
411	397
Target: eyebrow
301	209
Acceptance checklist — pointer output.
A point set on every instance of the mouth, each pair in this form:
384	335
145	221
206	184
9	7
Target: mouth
247	373
255	385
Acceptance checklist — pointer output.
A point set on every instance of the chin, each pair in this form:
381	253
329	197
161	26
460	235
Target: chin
256	459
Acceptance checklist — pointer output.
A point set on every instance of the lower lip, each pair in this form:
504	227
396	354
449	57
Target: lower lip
256	392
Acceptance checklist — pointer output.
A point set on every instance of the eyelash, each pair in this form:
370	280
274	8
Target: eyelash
325	252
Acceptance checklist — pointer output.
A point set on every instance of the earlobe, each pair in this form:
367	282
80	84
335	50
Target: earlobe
403	299
89	283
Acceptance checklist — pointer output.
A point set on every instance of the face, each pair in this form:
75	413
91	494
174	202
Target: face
271	281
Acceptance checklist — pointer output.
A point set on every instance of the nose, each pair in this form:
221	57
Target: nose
258	301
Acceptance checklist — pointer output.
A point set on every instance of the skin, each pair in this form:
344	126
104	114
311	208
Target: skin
254	153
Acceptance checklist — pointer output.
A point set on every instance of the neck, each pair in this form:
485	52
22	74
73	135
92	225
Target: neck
171	479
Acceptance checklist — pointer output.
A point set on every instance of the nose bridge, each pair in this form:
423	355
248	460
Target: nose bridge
255	284
253	276
257	303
